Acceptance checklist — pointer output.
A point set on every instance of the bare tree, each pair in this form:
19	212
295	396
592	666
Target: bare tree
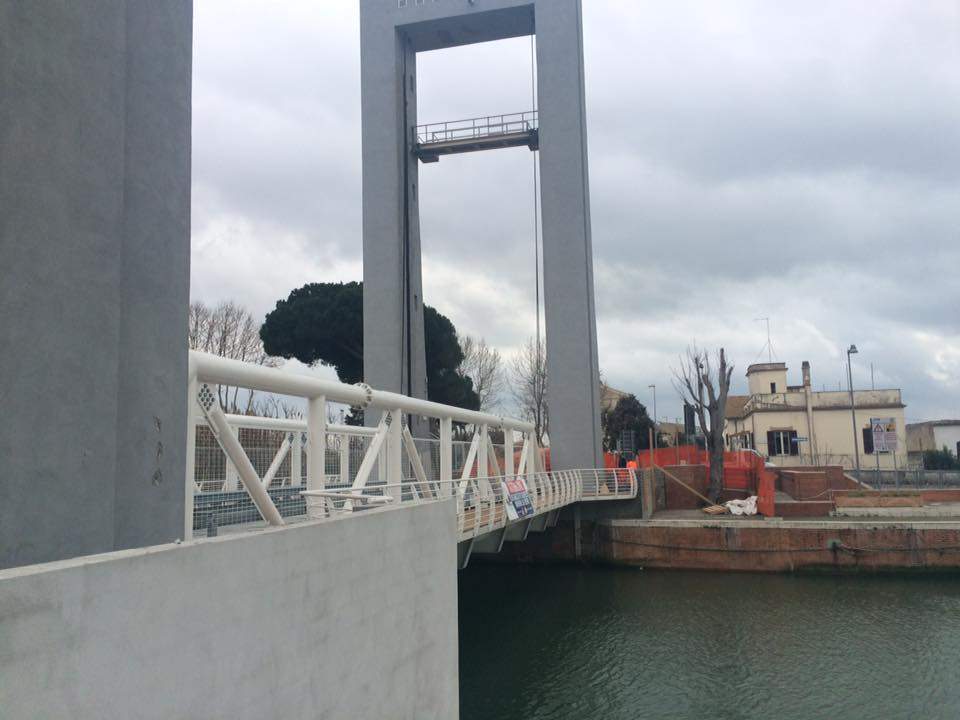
707	392
274	406
484	366
529	387
230	331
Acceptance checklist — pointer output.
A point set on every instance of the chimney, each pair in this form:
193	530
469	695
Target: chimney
806	374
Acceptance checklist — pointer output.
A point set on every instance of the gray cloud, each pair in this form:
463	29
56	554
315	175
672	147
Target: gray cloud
748	159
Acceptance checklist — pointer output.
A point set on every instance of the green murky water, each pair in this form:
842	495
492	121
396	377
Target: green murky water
569	643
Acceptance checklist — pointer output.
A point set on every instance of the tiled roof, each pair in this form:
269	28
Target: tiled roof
735	405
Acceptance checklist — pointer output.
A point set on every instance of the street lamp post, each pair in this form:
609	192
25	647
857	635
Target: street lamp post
656	430
853	410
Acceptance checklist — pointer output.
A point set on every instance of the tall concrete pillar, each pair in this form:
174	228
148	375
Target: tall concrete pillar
394	355
573	374
392	32
94	275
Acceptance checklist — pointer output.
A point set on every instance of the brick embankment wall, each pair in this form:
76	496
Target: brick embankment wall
677	496
940	496
926	497
804	484
803	509
735	546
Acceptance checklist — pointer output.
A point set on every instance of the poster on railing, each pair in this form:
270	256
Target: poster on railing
519	505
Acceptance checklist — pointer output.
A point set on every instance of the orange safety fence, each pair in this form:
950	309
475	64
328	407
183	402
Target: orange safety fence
742	469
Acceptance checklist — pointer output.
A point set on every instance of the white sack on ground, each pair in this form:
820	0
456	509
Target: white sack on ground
743	507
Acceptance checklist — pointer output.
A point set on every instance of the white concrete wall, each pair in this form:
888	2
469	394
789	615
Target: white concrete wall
352	618
946	436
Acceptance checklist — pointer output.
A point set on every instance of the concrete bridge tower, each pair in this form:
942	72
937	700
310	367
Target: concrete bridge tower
392	33
94	275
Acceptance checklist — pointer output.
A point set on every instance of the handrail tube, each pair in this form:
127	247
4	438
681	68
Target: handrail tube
427	408
214	369
256	422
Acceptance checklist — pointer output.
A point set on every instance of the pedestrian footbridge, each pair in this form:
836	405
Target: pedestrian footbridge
246	471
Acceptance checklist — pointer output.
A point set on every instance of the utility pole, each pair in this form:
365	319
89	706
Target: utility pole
853	410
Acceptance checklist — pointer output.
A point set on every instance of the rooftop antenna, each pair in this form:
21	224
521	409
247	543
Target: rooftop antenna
769	345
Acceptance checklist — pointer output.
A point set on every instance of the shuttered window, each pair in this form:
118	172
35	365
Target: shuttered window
782	443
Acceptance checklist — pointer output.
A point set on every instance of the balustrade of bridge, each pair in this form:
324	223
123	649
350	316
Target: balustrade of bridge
244	469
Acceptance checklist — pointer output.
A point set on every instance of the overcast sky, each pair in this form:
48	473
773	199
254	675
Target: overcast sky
792	160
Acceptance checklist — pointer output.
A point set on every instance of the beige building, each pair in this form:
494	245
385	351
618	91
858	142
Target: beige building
794	425
610	396
671	434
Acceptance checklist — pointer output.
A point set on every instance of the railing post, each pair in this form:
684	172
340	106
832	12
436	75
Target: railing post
317	443
344	460
190	487
483	467
446	451
395	452
296	456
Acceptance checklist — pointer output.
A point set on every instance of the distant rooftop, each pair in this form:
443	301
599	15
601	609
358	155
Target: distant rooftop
935	423
760	367
736	405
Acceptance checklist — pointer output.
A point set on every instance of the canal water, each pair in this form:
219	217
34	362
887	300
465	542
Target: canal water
569	643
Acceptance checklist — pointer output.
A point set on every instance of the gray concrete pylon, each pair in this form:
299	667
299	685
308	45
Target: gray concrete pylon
94	275
392	33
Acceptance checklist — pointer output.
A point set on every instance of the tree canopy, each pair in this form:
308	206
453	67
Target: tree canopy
323	322
940	460
629	414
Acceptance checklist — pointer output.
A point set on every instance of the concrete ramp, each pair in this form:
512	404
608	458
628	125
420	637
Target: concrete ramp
348	618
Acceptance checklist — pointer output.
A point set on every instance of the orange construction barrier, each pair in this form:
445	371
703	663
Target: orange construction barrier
742	469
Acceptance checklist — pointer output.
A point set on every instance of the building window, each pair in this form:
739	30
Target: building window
773	388
782	443
867	441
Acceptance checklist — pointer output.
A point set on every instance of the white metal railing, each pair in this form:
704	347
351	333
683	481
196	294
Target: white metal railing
482	502
276	469
384	446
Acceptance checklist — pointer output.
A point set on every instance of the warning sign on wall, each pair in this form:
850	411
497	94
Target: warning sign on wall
884	434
